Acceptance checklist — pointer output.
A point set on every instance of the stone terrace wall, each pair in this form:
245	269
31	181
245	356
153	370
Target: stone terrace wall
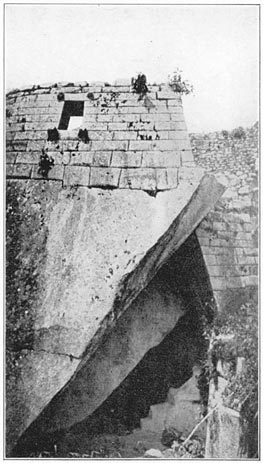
133	142
228	235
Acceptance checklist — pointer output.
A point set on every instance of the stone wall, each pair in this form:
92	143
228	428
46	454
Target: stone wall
84	236
131	141
229	234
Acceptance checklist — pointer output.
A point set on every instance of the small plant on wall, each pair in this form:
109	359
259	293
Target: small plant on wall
46	162
139	85
179	84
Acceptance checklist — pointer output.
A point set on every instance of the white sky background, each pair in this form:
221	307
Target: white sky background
215	46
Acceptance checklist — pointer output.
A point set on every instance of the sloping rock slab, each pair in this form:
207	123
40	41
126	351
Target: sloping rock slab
94	239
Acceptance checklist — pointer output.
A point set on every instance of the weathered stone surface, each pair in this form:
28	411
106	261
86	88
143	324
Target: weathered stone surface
75	175
30	158
102	177
154	307
126	159
9	170
141	179
166	179
85	264
22	170
55	173
223	434
82	158
102	158
161	159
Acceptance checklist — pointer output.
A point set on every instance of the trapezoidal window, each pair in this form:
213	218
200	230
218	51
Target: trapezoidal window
72	115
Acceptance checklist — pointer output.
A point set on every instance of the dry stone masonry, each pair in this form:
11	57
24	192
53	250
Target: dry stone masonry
116	230
120	143
229	234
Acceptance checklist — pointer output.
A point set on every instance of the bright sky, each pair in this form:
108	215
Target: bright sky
215	46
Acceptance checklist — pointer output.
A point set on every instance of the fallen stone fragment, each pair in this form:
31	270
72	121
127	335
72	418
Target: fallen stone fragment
153	453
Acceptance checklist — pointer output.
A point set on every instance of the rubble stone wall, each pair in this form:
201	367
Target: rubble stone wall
229	234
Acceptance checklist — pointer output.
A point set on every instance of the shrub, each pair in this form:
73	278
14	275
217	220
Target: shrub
139	85
225	133
239	133
178	84
241	392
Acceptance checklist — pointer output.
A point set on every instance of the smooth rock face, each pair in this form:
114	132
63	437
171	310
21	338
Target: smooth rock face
90	240
93	239
144	325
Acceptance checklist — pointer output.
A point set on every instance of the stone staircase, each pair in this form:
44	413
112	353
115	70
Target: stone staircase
182	410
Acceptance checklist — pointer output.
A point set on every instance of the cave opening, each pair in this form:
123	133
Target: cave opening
167	365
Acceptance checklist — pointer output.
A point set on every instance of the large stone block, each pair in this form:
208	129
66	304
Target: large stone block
165	125
22	170
102	158
117	126
219	283
9	170
102	177
167	178
76	175
21	145
126	159
121	135
28	157
109	145
35	145
10	158
187	156
168	94
141	179
100	135
82	158
55	173
161	159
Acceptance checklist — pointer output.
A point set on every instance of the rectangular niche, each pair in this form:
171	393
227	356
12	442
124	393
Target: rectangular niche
72	115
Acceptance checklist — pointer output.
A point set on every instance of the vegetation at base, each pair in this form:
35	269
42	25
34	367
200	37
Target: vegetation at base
241	393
